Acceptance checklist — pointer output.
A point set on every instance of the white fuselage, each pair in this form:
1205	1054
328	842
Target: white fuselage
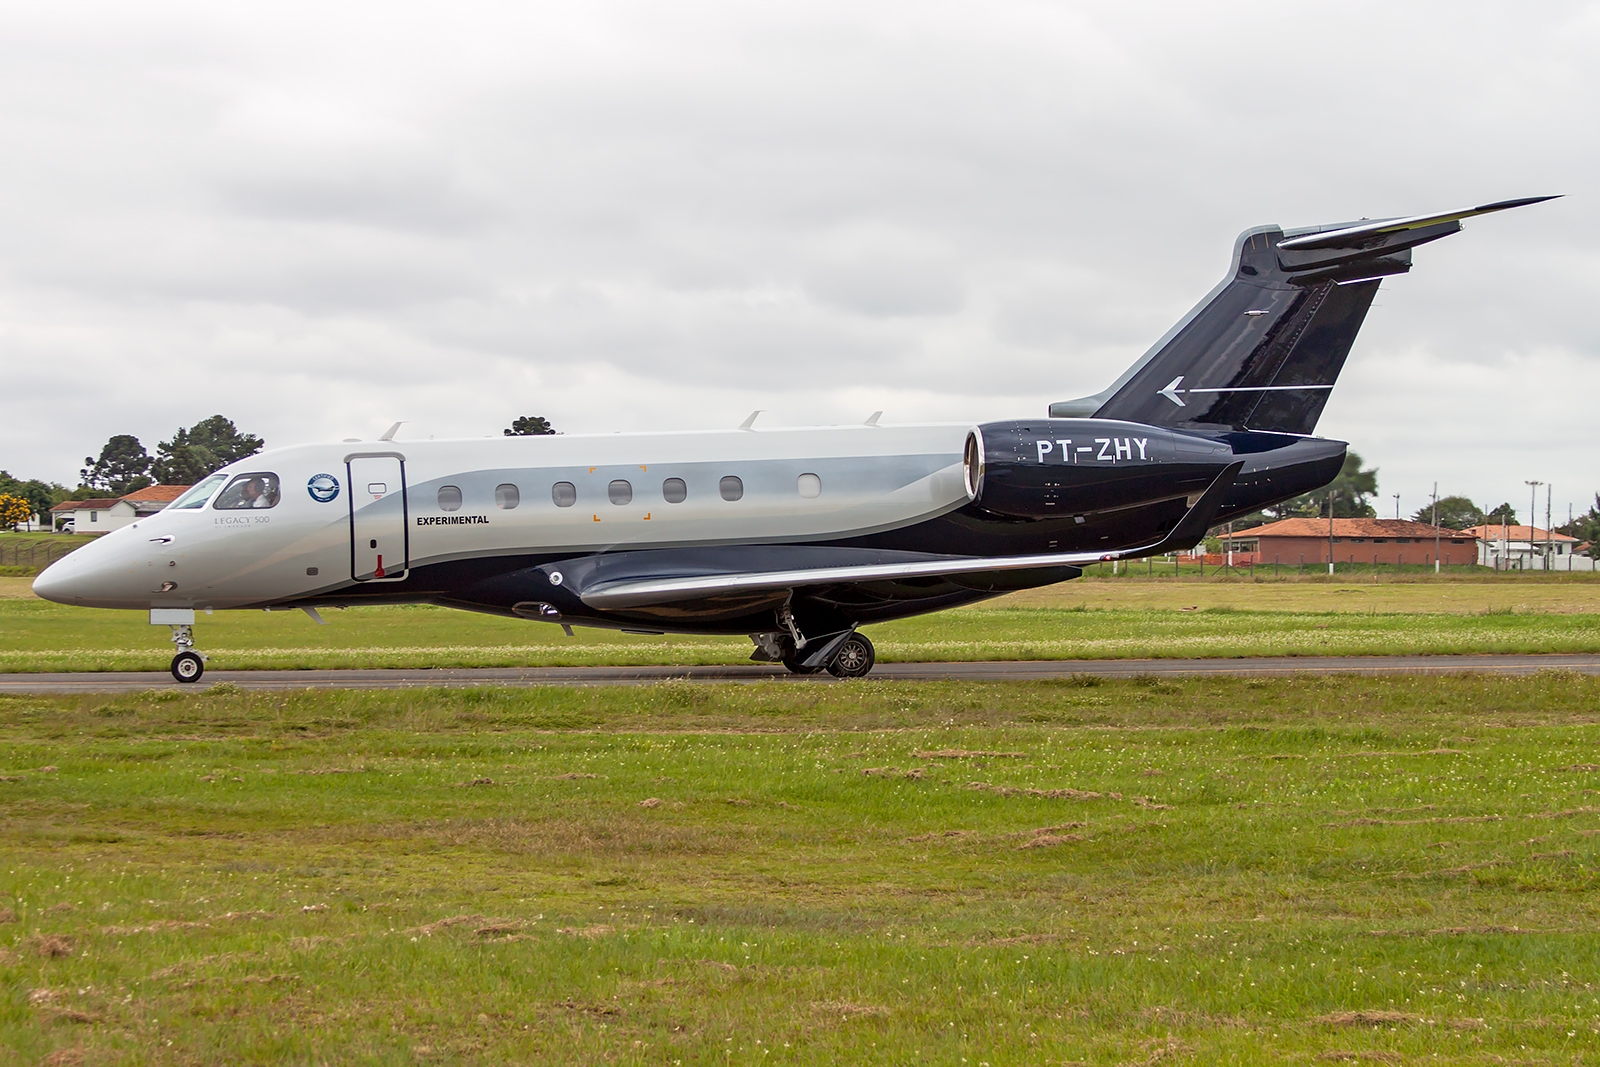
372	512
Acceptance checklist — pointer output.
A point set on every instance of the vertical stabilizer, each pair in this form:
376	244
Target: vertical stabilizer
1264	349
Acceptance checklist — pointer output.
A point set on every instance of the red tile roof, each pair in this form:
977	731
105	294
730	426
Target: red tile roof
158	494
1493	532
1348	528
150	494
85	505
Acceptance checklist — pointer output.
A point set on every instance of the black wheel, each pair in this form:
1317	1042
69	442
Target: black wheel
188	666
854	658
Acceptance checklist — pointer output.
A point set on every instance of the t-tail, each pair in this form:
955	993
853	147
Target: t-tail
1263	350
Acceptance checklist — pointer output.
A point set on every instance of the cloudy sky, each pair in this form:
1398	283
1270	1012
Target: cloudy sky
321	218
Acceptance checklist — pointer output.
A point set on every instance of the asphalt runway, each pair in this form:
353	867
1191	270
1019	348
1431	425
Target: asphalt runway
992	671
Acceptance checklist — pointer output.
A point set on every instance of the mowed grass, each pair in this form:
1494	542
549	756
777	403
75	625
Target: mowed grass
1082	619
1206	871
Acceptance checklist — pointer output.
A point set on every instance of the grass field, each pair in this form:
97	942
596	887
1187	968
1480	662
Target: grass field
1208	871
1077	620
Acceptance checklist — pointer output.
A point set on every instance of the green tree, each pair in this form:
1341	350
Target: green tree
1455	513
1586	527
195	452
123	466
1504	513
529	426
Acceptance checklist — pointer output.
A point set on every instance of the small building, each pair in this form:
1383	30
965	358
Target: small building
112	513
1528	548
1381	541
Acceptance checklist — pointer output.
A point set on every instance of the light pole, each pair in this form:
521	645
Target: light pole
1436	527
1549	535
1533	510
1397	507
1331	494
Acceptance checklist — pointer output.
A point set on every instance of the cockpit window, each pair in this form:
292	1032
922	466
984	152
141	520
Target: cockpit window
249	491
198	494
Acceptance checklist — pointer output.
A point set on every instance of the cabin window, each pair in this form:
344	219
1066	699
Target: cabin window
810	486
674	491
731	488
565	494
197	497
249	491
449	498
620	491
507	496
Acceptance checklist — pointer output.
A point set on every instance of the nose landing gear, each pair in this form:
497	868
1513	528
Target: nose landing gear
188	665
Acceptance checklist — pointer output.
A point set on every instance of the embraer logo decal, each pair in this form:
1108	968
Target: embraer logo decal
451	520
1171	391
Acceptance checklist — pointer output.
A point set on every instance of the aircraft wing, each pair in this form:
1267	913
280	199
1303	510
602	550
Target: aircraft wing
615	592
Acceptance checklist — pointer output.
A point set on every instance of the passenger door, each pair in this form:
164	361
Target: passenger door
379	541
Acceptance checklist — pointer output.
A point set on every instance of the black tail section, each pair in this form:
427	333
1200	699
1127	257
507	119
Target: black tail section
1264	349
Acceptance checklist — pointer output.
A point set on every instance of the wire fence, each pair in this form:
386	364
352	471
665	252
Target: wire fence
1350	565
35	554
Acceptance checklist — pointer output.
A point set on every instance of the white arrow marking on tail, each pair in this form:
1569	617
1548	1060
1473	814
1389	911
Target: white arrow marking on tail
1171	392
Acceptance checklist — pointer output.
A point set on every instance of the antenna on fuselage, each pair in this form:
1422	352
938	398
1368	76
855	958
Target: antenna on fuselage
872	420
749	423
388	435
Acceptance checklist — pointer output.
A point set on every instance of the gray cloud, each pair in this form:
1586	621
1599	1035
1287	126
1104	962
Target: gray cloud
318	220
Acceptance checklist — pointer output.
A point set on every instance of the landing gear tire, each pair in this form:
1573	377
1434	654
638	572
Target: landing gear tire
854	658
188	666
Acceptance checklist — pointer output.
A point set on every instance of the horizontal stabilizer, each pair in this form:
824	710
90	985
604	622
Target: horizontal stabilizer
1360	233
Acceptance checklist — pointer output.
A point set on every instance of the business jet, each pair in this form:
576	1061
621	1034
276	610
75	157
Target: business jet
795	537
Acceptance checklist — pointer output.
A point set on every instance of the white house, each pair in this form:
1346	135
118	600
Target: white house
105	515
1528	548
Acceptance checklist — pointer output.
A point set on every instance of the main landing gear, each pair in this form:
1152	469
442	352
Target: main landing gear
854	658
844	655
188	665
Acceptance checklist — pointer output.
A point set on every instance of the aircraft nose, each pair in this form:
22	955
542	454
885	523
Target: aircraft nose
54	583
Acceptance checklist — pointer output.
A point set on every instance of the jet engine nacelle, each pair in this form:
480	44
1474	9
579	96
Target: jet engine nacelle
1048	468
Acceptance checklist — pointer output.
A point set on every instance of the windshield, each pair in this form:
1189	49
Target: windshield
197	496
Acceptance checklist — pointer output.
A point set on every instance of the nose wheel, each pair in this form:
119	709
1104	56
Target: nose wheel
188	665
